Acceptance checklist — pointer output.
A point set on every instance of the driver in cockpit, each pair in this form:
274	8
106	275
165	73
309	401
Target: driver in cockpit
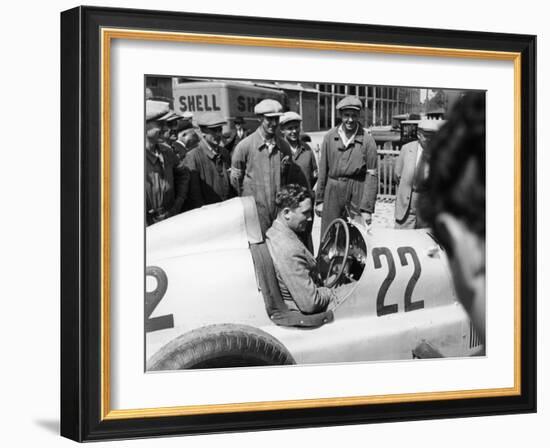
296	268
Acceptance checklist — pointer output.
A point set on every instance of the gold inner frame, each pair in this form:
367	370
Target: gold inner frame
107	35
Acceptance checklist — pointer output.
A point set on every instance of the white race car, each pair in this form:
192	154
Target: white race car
213	300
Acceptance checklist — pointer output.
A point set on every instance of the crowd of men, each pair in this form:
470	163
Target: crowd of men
191	164
440	181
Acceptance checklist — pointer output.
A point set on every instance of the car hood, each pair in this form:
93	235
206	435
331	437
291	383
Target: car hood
227	225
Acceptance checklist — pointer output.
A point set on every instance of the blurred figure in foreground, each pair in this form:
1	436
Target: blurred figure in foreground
453	203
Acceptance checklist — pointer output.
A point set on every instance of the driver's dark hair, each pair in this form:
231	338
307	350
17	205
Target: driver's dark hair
290	196
456	179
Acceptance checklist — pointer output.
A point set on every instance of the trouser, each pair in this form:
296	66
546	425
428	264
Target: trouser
339	193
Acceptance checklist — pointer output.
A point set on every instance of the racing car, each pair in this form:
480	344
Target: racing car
212	299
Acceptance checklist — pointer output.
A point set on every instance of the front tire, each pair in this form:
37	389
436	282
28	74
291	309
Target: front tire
218	346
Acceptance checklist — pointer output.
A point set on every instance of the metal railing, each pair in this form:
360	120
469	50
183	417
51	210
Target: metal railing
387	187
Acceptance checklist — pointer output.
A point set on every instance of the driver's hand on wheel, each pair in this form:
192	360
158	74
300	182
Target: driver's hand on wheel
319	209
367	217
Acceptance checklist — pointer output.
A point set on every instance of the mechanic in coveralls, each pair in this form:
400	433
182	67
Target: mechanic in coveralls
453	203
262	163
348	167
295	266
166	178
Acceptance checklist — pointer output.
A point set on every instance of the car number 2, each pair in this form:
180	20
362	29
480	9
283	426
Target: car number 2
153	298
382	308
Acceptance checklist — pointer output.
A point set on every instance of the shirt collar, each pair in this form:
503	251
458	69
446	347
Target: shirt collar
281	228
209	151
343	137
264	142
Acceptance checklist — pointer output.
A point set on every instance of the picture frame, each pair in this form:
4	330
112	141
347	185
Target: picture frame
86	176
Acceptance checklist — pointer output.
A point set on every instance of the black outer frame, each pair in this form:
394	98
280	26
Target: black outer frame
81	223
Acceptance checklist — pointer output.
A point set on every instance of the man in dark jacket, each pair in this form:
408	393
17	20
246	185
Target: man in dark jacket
262	163
236	135
209	165
166	179
348	169
303	156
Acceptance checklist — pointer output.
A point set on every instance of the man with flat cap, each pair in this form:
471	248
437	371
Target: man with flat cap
262	163
209	165
302	155
348	167
166	179
411	170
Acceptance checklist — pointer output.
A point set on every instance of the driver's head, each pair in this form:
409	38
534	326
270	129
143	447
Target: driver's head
454	200
294	207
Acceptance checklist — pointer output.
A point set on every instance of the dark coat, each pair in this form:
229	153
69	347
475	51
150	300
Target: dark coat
305	159
256	171
166	184
209	170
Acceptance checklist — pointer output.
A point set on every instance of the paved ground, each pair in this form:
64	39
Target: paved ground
383	217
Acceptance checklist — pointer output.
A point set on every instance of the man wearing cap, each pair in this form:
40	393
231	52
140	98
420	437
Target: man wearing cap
209	165
302	154
166	179
236	135
262	163
303	157
348	167
411	170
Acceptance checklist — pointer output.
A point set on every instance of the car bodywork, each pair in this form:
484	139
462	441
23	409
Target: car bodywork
202	274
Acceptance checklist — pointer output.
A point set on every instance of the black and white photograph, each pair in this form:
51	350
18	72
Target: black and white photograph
290	222
296	222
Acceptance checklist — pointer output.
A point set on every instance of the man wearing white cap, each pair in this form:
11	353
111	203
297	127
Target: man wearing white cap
209	165
348	167
262	163
166	179
302	154
303	157
410	172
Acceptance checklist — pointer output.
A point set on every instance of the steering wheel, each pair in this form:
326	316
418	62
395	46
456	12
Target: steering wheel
333	252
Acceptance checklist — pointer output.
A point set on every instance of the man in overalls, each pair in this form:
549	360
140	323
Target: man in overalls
348	167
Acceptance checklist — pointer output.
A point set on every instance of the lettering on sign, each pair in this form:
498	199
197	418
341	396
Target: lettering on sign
199	103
